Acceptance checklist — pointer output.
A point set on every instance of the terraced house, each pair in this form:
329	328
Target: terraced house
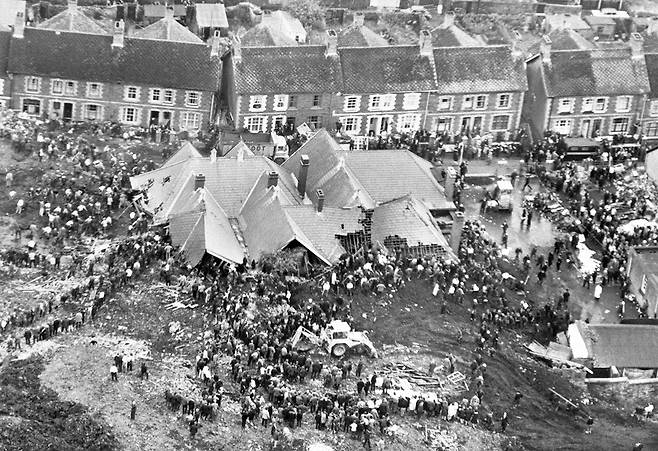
71	68
587	92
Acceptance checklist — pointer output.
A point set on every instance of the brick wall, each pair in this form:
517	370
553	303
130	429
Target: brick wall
302	111
110	102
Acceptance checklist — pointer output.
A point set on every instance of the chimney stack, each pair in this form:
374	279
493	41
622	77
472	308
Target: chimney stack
637	45
169	12
214	44
320	194
303	174
545	49
272	179
448	20
19	25
199	181
73	4
237	50
117	37
332	43
425	43
359	19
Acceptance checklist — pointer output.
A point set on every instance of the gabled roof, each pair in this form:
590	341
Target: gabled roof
186	151
453	36
398	68
167	29
367	178
295	69
239	148
409	219
595	72
211	15
263	35
73	19
90	57
205	228
360	36
652	71
479	69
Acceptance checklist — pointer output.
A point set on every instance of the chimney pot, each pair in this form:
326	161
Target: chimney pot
320	195
332	43
272	179
304	162
199	181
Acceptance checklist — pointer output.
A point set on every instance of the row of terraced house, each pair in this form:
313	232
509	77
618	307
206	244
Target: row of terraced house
72	67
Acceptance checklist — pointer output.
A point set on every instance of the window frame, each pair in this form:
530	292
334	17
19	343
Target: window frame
189	95
567	121
280	102
261	129
629	104
402	120
653	108
476	104
127	93
124	114
622	120
411	101
99	112
28	83
501	104
292	101
73	85
184	120
349	99
57	82
317	101
315	121
507	122
351	124
90	93
447	124
587	105
254	100
451	101
603	101
563	102
36	101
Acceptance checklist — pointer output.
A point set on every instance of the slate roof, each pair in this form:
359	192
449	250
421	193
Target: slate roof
360	36
73	19
211	15
478	69
595	72
623	345
453	36
367	178
263	35
287	69
91	57
652	71
409	219
567	39
398	68
167	29
186	151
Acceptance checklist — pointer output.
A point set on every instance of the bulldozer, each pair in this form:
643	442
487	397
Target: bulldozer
337	339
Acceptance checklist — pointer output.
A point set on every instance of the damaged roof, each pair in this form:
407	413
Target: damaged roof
622	345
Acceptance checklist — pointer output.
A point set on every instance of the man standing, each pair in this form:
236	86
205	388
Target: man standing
144	372
113	373
133	411
598	290
503	422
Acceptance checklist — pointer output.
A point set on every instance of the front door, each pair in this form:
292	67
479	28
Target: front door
477	125
586	128
166	119
155	117
466	125
67	111
596	128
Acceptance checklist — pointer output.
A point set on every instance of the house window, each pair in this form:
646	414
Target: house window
500	122
600	105
193	99
131	93
374	102
653	108
57	87
94	90
292	101
619	125
408	122
317	100
411	101
480	102
443	124
588	105
278	122
168	96
155	95
190	121
503	101
130	115
255	124
651	129
257	103
70	88
351	124
92	112
351	103
445	103
280	102
643	285
565	106
32	106
32	84
315	121
562	126
467	103
624	104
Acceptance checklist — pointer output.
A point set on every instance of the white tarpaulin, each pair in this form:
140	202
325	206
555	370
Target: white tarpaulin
629	227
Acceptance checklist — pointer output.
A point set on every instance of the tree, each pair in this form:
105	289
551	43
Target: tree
309	12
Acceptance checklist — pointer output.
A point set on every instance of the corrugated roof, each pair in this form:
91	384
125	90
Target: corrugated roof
167	29
595	72
91	57
398	68
298	69
211	15
72	19
624	345
479	69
